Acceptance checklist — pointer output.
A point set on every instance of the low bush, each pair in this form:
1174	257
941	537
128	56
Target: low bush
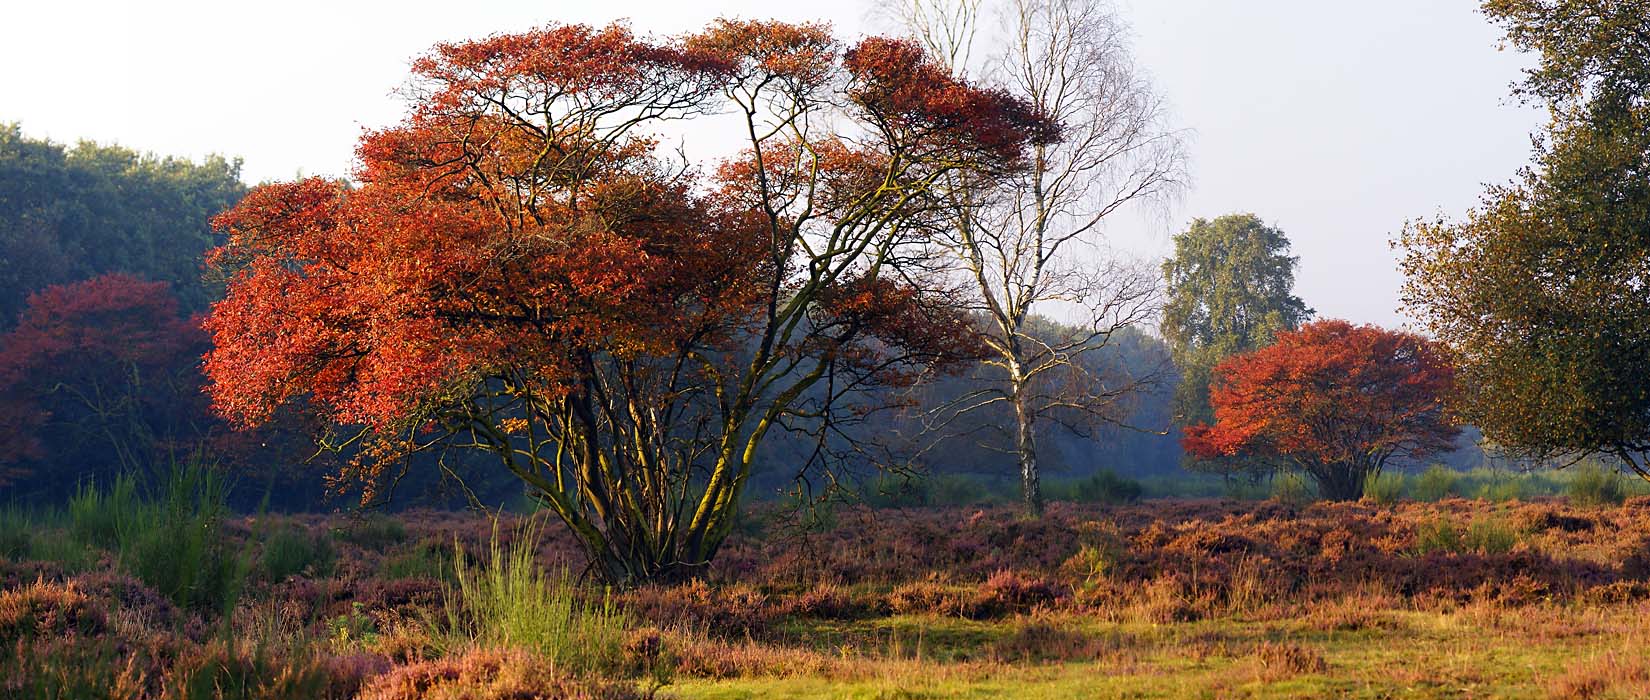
1490	535
99	517
1293	489
177	545
16	532
1438	535
1279	661
376	532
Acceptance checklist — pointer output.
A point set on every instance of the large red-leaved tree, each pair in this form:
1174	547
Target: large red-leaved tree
519	269
1336	400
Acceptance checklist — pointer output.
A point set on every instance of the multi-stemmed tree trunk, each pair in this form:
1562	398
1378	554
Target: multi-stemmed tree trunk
1024	243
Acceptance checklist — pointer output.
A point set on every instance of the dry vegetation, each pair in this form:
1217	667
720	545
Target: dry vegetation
1165	599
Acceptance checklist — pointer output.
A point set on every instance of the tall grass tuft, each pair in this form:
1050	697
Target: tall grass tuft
177	546
1105	487
507	599
174	542
16	532
291	549
1434	484
98	517
1591	484
1384	488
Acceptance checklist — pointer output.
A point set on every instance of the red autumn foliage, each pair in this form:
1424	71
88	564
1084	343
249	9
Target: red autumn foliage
106	349
519	264
1336	400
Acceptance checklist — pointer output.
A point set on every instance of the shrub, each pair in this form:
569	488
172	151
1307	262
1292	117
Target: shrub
1434	484
1292	489
1284	660
1008	591
293	550
1041	640
175	545
896	491
826	601
927	597
507	600
1104	486
1384	488
959	490
1591	484
223	670
47	610
16	530
1502	489
420	561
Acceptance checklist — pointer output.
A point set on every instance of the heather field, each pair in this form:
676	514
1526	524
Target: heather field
123	597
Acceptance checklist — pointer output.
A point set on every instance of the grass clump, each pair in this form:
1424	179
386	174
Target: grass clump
1591	484
1490	535
293	550
506	599
99	517
177	545
16	533
173	543
1438	536
420	561
1435	484
1293	489
1384	488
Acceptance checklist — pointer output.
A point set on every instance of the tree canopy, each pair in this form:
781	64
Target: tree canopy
1230	288
1540	293
1334	400
521	271
69	214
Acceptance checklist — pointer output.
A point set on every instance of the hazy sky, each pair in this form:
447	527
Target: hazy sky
1334	120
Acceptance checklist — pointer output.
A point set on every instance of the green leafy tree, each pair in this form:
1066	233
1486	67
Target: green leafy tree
1230	287
70	214
1541	293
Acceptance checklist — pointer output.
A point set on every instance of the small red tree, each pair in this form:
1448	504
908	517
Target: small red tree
108	357
1335	400
520	271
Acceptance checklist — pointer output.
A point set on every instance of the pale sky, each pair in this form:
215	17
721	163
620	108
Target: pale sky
1332	119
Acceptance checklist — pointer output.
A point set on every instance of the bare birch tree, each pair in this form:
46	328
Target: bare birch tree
1035	242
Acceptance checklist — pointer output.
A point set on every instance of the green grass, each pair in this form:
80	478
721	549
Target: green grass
1419	655
173	541
1384	488
507	599
291	549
